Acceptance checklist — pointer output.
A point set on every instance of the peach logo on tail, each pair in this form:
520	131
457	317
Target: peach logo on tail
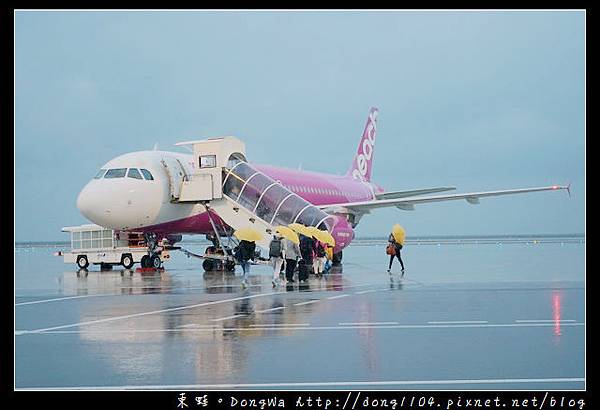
366	148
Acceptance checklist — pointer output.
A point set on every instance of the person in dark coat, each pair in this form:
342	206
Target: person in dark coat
397	247
245	252
306	251
292	253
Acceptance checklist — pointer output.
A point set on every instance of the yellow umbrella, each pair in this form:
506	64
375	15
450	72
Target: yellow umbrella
323	236
287	233
299	228
248	234
398	233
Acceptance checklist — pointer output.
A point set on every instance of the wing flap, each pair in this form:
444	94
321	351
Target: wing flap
414	192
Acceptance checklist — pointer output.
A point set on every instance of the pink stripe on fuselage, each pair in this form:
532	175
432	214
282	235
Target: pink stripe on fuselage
196	224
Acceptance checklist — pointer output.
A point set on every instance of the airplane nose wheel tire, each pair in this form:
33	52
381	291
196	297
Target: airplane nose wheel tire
155	262
145	262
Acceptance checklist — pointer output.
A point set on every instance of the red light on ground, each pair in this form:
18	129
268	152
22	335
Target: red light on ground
556	302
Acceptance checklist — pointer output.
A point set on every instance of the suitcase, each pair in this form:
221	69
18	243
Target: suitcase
303	270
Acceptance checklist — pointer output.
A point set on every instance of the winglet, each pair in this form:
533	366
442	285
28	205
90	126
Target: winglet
568	188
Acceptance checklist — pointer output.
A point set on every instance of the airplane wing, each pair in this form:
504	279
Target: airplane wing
408	203
403	194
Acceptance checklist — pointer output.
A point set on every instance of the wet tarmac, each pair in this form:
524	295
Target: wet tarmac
465	316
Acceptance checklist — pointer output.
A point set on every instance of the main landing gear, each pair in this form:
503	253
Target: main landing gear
151	261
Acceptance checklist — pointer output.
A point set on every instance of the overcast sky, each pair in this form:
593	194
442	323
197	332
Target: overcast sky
477	100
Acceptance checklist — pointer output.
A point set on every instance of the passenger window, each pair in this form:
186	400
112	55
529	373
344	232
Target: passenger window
100	174
208	161
147	174
115	173
134	173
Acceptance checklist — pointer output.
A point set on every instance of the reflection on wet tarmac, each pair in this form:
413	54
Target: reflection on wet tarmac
182	326
219	353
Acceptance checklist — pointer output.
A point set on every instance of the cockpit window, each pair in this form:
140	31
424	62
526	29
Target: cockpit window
147	174
115	173
100	174
134	173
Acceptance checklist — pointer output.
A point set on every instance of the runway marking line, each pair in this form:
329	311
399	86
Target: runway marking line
311	384
65	298
367	323
346	327
307	302
458	322
281	324
544	320
362	292
172	288
58	299
228	317
153	312
270	310
338	296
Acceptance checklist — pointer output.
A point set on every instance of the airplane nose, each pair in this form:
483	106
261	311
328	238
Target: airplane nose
117	204
90	204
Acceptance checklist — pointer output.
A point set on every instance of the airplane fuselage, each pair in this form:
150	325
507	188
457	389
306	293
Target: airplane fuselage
127	202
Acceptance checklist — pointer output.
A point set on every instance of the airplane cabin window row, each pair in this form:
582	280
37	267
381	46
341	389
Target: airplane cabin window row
299	188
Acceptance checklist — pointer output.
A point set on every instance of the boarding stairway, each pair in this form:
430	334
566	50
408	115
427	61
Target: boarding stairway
241	195
253	199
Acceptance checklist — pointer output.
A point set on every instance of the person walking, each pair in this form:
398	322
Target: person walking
245	252
320	256
277	256
306	251
292	253
393	249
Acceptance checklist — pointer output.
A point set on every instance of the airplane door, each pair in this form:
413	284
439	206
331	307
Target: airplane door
176	174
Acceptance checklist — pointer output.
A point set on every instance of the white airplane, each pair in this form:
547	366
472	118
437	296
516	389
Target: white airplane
149	191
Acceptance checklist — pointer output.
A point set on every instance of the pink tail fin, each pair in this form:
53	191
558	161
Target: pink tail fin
363	160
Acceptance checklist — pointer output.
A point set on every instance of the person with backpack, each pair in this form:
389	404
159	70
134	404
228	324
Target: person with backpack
393	249
244	252
276	255
292	253
320	256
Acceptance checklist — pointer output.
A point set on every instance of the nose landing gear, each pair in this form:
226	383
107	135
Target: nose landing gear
152	260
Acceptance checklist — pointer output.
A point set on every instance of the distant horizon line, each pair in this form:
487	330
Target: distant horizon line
412	237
